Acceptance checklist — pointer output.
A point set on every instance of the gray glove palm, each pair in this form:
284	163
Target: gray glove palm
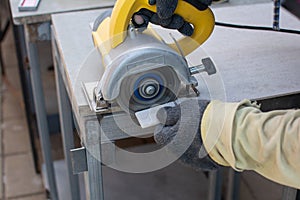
179	124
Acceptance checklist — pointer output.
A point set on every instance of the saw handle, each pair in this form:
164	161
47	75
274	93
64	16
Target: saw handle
203	22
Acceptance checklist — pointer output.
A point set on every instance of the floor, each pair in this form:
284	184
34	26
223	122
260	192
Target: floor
18	177
19	181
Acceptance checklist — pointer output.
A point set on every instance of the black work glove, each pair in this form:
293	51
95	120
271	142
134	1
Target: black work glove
165	16
180	124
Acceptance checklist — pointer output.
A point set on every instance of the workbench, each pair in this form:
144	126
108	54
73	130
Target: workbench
33	27
251	64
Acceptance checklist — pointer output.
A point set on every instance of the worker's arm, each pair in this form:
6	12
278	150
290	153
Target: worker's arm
239	135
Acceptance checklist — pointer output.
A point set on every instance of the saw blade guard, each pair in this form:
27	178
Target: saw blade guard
142	71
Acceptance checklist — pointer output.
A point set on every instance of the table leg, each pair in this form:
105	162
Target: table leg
233	186
41	115
93	153
66	124
289	193
26	91
215	185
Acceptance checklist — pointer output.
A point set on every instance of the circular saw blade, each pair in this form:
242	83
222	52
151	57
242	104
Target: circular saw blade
144	90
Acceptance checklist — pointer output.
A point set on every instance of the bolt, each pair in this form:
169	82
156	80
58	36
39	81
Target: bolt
150	90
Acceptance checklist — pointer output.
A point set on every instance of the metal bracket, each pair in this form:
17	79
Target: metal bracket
79	161
95	98
99	100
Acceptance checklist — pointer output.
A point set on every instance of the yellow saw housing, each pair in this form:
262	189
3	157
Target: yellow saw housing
114	28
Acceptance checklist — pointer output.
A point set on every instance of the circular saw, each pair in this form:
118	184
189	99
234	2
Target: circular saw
141	69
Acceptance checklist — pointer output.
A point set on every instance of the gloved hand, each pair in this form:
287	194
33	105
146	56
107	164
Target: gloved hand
180	124
165	16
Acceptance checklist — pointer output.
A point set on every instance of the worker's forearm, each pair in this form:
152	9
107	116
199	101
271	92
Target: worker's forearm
241	136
